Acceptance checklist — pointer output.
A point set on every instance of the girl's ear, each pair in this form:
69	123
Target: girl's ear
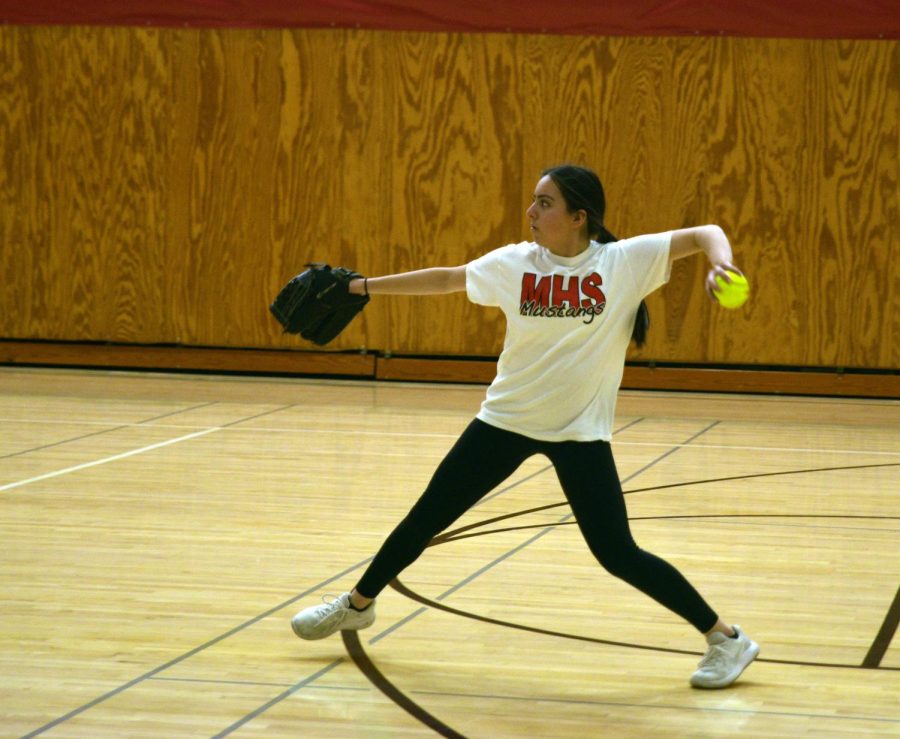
579	218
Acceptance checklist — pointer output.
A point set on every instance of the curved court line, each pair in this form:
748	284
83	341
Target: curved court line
153	673
377	678
885	635
418	598
673	517
440	538
383	684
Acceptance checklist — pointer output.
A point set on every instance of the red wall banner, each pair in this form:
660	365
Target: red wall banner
851	19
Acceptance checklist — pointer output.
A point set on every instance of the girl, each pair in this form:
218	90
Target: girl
572	298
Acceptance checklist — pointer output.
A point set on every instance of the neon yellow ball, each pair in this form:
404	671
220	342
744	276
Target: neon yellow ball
732	295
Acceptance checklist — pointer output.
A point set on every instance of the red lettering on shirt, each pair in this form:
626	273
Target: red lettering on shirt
534	290
590	287
569	294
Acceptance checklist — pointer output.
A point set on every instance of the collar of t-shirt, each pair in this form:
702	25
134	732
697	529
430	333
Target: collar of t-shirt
576	261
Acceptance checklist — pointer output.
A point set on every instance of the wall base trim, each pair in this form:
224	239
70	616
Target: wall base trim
370	365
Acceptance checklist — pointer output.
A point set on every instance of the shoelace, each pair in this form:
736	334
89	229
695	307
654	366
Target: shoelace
715	655
330	605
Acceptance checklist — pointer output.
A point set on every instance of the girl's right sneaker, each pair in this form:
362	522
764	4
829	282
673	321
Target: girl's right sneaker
317	622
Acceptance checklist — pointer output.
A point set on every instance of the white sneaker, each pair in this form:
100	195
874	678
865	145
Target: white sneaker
318	622
725	659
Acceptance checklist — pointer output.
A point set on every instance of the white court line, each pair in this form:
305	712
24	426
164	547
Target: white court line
280	430
113	458
414	435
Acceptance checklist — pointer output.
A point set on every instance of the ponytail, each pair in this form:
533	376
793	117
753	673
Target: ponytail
641	325
642	319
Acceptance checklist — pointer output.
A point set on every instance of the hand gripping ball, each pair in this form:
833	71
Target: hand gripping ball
734	294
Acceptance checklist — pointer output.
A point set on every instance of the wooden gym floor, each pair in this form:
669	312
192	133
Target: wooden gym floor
160	530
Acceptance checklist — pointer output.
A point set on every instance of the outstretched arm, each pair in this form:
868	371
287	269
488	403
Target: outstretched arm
431	281
713	242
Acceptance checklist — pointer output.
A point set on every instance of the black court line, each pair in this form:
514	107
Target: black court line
758	475
490	565
433	603
374	675
885	635
307	681
382	681
447	534
415	614
467	580
391	691
196	650
65	441
253	683
498	560
670	452
351	641
104	431
651	706
397	585
541	471
287	693
176	413
278	698
152	673
187	655
771	524
387	688
689	517
545	699
383	684
362	661
258	415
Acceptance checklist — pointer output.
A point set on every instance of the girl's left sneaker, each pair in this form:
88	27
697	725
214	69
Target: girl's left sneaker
725	660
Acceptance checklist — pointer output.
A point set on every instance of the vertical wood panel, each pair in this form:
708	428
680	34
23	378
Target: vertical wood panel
455	161
82	198
362	166
160	185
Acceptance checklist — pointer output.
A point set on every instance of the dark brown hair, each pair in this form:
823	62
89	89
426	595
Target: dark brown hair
582	190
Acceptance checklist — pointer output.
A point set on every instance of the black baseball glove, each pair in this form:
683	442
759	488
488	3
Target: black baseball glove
317	303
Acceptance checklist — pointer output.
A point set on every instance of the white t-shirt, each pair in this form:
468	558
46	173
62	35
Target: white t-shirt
568	324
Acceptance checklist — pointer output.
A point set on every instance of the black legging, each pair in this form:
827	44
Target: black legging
482	458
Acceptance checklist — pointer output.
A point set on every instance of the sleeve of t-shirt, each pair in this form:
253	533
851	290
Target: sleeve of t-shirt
485	277
648	258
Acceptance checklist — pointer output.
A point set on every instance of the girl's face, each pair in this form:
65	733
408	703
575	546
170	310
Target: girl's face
552	225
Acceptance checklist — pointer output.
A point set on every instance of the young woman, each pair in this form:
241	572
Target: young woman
573	298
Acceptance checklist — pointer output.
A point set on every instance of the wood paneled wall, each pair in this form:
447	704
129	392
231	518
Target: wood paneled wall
158	185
